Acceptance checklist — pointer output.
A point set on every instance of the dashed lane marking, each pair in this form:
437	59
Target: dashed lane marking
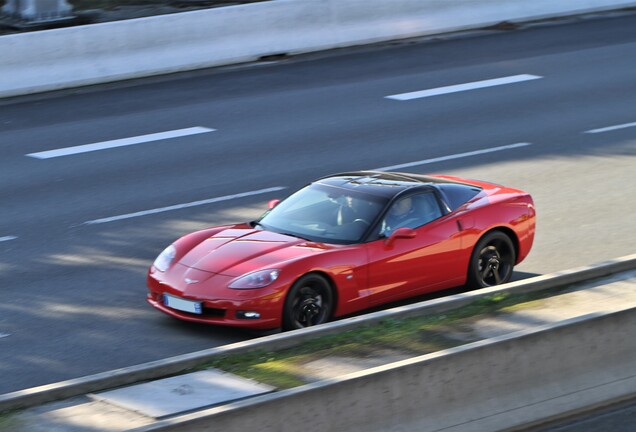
611	128
67	151
454	156
182	206
463	87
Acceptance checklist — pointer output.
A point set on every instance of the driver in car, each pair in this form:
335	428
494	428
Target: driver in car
401	214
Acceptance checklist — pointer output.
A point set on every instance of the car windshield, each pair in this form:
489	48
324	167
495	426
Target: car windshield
325	213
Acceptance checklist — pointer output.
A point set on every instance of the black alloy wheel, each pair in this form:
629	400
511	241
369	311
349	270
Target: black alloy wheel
308	303
492	261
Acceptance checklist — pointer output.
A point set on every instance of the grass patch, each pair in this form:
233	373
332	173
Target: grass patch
287	368
8	422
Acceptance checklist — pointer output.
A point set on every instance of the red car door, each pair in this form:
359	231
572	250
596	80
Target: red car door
403	267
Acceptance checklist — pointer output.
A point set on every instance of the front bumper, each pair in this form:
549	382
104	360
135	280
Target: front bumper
228	311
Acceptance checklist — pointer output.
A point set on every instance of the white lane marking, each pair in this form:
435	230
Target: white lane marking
463	87
120	142
611	128
182	206
454	156
7	238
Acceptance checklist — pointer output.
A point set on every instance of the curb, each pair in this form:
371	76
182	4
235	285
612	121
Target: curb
174	365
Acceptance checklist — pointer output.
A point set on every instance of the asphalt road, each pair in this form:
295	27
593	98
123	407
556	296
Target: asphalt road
619	417
73	281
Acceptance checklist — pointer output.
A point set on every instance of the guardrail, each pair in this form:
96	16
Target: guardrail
179	364
91	54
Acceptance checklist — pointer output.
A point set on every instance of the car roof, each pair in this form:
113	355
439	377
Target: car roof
387	184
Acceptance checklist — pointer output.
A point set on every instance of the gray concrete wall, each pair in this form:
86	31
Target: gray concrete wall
83	55
490	385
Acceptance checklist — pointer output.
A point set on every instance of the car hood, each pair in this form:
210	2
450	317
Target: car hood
237	251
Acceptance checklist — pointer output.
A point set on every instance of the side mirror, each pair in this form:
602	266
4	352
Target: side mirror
400	233
273	203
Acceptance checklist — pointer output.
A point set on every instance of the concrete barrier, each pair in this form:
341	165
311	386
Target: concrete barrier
495	384
99	53
179	364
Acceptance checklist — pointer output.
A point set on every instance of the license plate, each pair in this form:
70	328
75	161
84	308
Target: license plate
182	304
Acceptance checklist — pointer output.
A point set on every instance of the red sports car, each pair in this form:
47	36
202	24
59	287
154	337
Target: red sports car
342	244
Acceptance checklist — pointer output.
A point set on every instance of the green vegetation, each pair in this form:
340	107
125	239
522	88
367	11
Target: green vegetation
407	337
7	422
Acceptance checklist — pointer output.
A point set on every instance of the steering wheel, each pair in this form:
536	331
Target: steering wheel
362	221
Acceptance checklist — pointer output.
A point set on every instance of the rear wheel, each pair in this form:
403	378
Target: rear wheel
492	261
308	303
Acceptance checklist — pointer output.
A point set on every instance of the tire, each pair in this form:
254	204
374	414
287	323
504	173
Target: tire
492	261
308	303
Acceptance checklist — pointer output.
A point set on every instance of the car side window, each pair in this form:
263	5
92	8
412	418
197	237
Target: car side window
458	194
411	212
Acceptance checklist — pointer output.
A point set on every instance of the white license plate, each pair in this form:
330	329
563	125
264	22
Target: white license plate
181	304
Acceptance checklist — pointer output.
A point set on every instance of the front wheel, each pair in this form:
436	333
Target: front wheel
308	303
492	261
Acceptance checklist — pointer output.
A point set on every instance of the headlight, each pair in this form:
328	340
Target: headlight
165	258
258	279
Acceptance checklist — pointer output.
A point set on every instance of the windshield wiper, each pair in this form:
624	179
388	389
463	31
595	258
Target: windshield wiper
295	235
255	224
